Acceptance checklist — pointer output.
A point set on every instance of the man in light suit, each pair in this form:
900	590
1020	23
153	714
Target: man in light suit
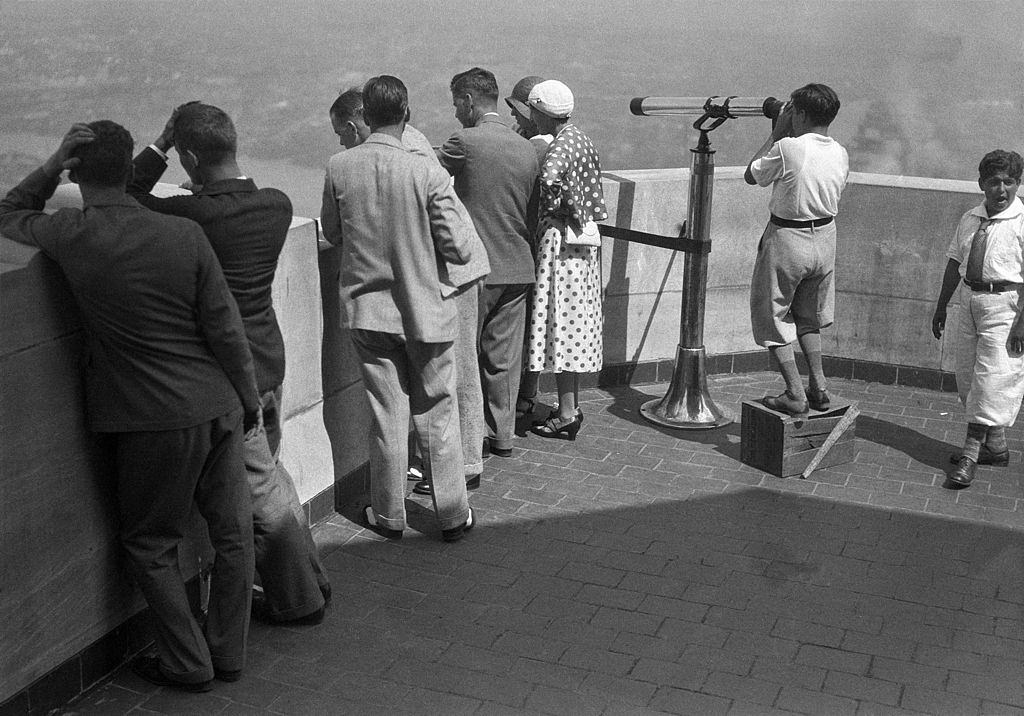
395	216
350	126
495	173
247	227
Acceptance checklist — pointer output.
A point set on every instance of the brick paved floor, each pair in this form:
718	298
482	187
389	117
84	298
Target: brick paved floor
645	570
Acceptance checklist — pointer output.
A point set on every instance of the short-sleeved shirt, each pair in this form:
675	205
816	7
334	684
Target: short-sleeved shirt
1004	253
808	174
570	179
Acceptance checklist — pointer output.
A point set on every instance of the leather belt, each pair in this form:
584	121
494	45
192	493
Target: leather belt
793	224
992	286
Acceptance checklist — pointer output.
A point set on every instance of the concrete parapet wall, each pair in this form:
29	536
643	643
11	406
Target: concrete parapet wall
893	234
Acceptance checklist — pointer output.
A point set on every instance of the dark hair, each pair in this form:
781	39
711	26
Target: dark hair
477	82
348	105
819	102
207	131
107	159
998	161
385	101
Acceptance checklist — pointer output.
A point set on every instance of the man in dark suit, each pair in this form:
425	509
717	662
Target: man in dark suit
396	217
247	228
168	375
495	173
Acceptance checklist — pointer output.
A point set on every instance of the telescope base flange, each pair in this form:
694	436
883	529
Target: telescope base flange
687	405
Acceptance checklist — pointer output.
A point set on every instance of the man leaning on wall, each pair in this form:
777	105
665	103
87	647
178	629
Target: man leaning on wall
247	227
169	376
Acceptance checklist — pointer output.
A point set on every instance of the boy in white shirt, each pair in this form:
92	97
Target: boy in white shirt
987	253
792	292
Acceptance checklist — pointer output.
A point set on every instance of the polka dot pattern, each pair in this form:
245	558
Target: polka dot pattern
566	318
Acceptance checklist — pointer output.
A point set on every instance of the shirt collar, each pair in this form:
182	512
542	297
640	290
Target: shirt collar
1015	209
381	138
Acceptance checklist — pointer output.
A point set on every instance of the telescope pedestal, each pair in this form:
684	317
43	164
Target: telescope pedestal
687	404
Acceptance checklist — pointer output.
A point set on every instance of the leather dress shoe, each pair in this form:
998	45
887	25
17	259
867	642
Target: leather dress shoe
148	668
490	449
962	475
457	533
986	457
261	612
786	402
817	399
423	487
370	523
227	675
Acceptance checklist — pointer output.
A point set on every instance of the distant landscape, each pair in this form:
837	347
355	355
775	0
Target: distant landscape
927	87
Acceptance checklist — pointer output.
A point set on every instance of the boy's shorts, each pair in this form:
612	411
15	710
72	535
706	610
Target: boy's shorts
793	291
990	380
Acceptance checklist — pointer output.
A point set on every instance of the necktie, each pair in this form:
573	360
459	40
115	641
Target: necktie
976	259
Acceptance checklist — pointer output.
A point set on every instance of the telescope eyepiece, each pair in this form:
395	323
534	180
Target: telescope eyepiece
772	108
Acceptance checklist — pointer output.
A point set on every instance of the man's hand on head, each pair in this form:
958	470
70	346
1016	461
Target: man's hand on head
166	139
61	159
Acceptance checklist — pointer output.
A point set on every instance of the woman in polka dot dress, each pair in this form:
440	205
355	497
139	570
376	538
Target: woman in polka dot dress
566	318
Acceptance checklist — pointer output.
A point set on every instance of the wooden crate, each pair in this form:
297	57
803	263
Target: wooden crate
784	445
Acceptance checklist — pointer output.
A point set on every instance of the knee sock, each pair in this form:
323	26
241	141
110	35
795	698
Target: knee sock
787	366
975	437
996	440
810	344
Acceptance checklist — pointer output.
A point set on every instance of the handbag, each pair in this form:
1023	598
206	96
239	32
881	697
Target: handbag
586	235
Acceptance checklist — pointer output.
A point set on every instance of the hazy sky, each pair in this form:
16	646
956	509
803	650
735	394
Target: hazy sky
927	87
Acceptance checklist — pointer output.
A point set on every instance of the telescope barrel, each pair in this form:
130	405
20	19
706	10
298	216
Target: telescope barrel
728	106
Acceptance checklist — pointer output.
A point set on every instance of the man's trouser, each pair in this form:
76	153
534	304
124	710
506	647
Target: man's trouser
159	476
404	377
502	326
290	572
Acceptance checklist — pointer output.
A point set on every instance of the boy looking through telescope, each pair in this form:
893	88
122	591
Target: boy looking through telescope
792	292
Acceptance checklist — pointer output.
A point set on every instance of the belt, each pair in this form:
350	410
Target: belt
992	286
793	224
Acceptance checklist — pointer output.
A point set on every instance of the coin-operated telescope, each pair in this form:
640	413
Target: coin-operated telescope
688	404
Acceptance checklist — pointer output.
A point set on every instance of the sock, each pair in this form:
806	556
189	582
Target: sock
975	437
787	366
996	440
810	344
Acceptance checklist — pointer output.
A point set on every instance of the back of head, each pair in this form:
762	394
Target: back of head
478	82
107	160
385	101
819	102
998	161
349	105
207	131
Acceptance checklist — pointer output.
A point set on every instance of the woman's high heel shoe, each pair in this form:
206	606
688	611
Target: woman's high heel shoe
553	415
556	427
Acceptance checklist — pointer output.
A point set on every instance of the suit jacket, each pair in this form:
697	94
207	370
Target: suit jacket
247	228
395	215
166	347
495	173
453	276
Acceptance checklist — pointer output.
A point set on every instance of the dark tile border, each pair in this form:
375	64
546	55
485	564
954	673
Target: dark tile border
661	371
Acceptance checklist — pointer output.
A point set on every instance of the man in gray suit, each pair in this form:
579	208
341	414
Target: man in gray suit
495	173
350	126
395	216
